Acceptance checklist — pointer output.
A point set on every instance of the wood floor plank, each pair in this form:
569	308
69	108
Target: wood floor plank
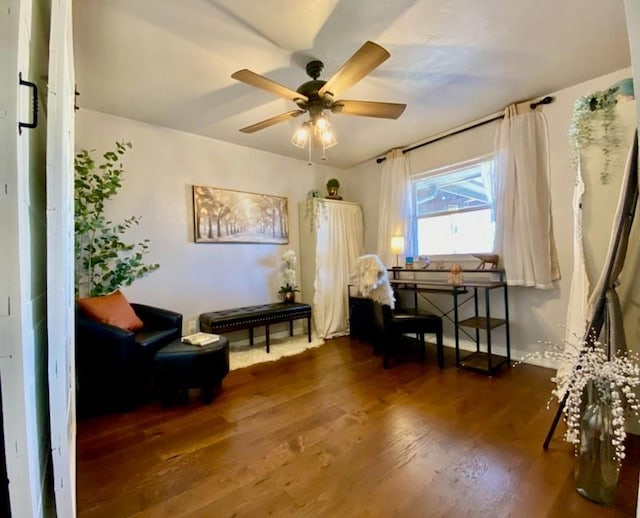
331	433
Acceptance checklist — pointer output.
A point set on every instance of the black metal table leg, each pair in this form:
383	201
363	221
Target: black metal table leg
455	325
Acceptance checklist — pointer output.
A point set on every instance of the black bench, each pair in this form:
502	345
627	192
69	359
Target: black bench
249	317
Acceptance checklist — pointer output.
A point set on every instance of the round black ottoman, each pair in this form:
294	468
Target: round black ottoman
179	367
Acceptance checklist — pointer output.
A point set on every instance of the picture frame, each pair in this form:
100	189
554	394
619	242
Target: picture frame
228	216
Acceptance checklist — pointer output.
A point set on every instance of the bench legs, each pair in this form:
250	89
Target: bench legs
266	334
268	341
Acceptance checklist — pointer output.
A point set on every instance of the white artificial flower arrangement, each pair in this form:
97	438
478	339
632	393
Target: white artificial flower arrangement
289	273
611	381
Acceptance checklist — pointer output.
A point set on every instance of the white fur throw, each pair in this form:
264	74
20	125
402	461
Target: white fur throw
370	278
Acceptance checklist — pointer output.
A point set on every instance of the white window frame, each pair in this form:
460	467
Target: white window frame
450	168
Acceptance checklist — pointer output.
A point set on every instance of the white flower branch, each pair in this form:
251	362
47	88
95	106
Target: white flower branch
611	382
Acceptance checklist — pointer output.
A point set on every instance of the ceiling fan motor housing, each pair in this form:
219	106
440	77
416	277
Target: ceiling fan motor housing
310	90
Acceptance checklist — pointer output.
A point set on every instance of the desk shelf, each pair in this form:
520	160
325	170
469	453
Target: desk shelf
478	281
479	361
482	322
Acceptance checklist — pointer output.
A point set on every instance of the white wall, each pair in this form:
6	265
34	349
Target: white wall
535	314
159	172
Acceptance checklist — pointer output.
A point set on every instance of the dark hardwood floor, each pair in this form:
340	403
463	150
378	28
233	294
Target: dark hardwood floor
330	433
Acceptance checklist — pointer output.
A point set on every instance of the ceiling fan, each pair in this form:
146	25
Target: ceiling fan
317	95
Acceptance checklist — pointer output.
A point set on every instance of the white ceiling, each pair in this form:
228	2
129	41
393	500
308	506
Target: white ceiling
168	62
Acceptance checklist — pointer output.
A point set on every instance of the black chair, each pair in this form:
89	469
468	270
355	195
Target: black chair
393	324
114	366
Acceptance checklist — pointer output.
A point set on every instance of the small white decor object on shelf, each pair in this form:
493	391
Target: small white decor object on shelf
200	339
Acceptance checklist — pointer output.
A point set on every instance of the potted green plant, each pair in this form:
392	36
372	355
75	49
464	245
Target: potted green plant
593	122
332	189
104	262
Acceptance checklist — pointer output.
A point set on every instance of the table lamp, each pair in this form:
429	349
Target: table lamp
397	247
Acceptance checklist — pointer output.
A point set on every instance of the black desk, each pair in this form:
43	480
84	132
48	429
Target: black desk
483	361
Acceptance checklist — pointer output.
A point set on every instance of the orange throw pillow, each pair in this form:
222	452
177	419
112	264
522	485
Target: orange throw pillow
111	309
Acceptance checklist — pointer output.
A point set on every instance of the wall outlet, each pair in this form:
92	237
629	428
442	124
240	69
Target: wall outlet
192	326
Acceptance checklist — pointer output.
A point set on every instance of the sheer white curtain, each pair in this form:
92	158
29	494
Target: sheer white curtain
339	243
524	228
394	218
577	312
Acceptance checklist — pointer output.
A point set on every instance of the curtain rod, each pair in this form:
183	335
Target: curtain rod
533	106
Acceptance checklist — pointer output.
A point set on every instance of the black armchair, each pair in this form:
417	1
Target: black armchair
113	365
393	324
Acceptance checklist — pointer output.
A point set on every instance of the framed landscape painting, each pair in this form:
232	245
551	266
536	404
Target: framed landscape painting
226	216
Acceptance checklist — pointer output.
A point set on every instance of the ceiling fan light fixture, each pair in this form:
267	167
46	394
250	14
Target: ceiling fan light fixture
301	135
321	123
323	131
328	138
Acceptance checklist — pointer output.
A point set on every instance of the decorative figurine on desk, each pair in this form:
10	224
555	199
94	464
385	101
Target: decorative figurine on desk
487	259
424	261
455	274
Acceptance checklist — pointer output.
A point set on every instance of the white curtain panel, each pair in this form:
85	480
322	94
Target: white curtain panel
524	228
394	218
577	312
340	241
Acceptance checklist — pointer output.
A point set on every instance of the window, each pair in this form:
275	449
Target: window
453	209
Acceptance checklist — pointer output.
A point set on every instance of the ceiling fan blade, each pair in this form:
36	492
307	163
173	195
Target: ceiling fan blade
273	120
369	109
253	79
366	59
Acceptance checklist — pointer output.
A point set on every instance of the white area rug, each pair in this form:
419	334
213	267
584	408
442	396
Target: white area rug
245	355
